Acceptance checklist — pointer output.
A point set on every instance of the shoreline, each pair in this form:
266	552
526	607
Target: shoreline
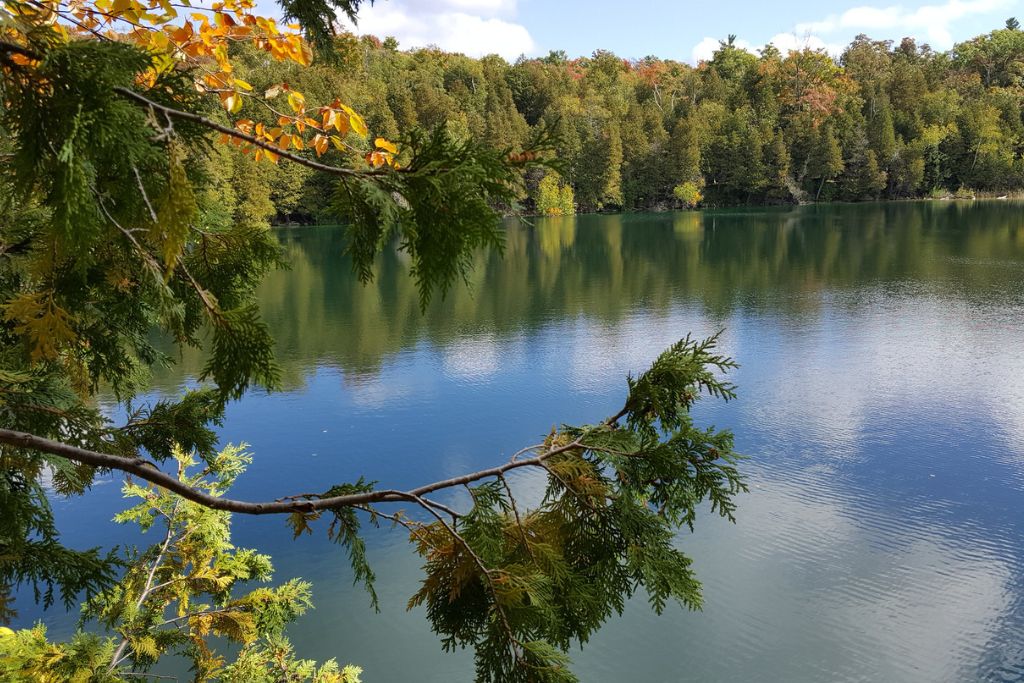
980	196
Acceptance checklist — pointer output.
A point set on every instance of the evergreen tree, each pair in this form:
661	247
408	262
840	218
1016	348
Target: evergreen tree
611	193
826	158
178	597
862	178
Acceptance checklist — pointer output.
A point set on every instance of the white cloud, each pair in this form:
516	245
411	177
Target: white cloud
474	27
932	22
600	355
786	42
705	49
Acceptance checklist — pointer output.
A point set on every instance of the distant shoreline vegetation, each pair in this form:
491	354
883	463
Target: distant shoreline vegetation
884	120
962	195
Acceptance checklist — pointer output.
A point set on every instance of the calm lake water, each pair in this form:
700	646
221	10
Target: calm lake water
881	407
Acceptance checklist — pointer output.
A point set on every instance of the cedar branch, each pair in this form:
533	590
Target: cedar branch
145	470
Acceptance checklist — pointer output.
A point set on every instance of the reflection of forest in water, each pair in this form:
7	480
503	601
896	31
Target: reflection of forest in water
607	267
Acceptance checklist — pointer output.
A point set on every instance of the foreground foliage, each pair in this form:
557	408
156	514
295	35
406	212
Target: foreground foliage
112	227
120	117
175	597
520	584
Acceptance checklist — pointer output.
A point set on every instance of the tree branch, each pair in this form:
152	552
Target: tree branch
7	47
235	133
145	470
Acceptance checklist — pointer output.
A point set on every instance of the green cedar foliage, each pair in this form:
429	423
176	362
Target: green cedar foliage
440	206
176	597
119	229
522	585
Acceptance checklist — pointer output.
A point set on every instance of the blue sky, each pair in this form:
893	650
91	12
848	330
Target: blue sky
684	30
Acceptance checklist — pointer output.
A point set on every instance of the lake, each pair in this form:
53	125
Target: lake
881	404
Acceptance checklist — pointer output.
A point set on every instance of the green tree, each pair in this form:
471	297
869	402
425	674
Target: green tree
611	193
862	178
826	158
684	152
554	197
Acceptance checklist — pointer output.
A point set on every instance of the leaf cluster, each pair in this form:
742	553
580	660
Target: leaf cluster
520	586
441	206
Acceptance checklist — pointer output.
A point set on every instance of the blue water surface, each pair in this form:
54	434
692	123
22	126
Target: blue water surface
881	404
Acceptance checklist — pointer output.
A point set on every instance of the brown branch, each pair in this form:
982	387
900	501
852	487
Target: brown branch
7	47
145	470
145	197
235	133
203	294
442	508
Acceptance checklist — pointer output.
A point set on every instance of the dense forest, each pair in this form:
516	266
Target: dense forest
885	121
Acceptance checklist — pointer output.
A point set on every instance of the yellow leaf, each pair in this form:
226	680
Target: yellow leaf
340	123
297	102
381	143
242	84
358	125
232	101
320	144
46	324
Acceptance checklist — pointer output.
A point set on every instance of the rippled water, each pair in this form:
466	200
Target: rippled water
881	404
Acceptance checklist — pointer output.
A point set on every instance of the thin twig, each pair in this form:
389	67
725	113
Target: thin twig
251	139
145	197
147	589
222	610
515	511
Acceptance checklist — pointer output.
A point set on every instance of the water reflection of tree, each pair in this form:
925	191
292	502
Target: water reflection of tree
604	268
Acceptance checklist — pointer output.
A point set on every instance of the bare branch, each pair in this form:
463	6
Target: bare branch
145	197
145	470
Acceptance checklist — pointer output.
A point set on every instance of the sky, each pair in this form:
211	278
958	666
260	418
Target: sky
683	30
